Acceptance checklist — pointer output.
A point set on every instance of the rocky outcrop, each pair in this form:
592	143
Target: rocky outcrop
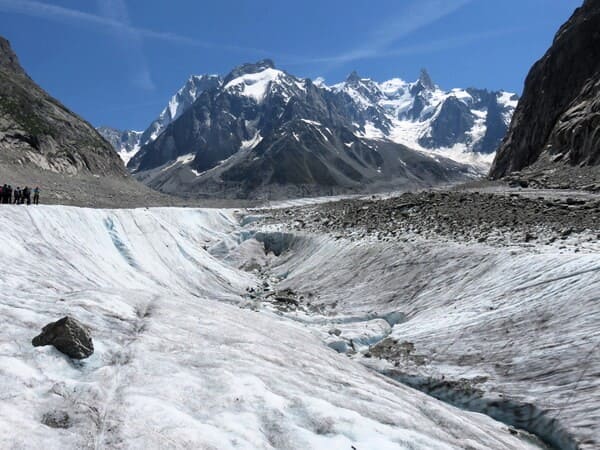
68	336
557	121
39	132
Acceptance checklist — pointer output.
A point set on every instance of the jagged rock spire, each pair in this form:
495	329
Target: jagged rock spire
353	77
426	80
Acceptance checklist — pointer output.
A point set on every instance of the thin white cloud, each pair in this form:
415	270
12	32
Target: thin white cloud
130	40
425	47
34	8
417	15
448	43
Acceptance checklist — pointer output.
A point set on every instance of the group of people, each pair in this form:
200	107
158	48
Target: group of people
18	196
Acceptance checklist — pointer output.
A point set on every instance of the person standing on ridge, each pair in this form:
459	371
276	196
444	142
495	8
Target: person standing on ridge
8	195
36	195
17	195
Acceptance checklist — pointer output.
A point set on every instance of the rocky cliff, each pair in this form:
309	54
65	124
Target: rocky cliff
557	121
37	131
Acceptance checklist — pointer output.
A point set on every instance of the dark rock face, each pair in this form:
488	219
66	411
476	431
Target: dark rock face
425	79
68	336
37	131
455	119
458	121
557	119
495	124
182	100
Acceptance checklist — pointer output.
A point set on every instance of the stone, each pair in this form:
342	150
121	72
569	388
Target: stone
57	419
68	336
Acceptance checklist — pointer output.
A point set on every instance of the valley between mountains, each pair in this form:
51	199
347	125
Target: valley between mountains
278	262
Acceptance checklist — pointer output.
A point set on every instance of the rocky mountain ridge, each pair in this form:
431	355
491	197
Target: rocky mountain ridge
264	132
559	129
419	115
182	100
423	116
38	132
43	143
179	149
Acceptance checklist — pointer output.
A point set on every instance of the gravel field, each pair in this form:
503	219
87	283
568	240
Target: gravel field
495	218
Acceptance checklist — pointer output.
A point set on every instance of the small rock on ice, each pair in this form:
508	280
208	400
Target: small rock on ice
68	336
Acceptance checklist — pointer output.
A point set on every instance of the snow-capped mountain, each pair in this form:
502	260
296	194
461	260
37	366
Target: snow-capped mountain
126	143
260	126
264	132
459	123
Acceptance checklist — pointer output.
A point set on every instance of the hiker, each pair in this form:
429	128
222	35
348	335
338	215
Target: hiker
17	195
36	195
2	191
26	195
7	195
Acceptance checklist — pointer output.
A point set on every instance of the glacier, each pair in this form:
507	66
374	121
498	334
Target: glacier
186	358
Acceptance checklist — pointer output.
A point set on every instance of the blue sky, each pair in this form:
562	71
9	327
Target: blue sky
117	62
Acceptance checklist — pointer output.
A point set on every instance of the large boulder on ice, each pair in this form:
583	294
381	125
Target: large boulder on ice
68	336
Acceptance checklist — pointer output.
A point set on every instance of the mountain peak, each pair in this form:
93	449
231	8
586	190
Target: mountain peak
201	82
266	63
203	77
259	103
258	66
353	77
426	80
8	58
424	83
250	68
319	82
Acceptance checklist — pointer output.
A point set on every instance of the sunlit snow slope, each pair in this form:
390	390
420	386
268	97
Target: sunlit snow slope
178	364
